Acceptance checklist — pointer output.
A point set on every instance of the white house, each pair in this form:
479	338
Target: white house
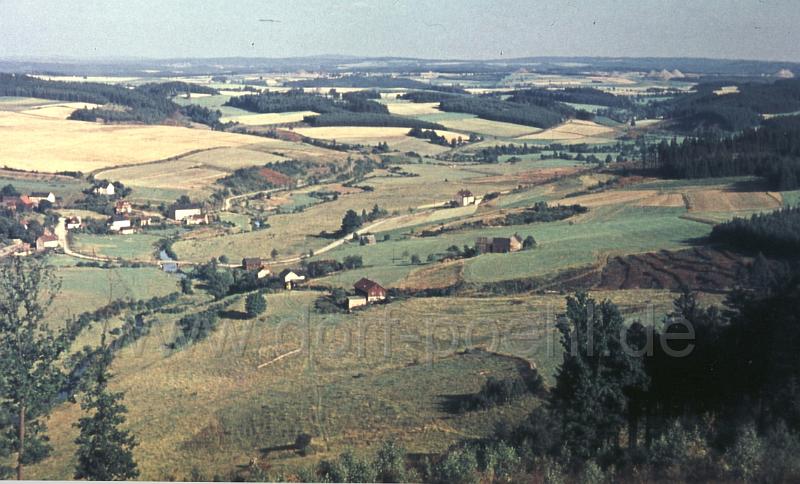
179	214
108	190
37	197
119	223
464	198
73	223
264	272
291	278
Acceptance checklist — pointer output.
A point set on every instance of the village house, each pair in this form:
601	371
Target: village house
368	239
264	272
498	245
292	279
196	220
46	241
464	198
120	223
37	197
21	203
107	190
371	290
17	247
123	207
73	223
252	263
179	214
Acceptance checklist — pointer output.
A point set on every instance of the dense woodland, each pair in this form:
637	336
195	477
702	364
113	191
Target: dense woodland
148	103
776	233
495	109
704	110
771	151
578	95
380	82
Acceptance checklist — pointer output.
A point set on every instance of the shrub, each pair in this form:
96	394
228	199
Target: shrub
255	304
459	466
390	465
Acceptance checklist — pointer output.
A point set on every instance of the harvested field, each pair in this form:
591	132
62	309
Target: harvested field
57	111
82	146
364	134
489	128
700	269
642	198
268	118
573	129
435	276
717	200
407	108
528	177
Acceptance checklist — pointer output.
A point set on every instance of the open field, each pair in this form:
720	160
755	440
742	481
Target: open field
57	111
364	134
67	188
129	247
206	407
489	128
268	118
573	130
82	146
408	108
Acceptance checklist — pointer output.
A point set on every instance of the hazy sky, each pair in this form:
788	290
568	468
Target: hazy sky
750	29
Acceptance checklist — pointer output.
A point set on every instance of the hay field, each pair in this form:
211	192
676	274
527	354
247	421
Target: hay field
268	118
717	200
642	198
489	128
572	130
408	108
50	145
365	134
57	111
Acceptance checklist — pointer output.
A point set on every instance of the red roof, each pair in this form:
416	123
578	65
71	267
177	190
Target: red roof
369	287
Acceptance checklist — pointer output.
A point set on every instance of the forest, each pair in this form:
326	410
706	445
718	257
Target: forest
706	110
495	109
148	103
771	151
298	100
776	233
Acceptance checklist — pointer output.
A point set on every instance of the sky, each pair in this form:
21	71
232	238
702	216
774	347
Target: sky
436	29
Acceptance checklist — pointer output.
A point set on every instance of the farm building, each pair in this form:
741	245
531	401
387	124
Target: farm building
368	239
119	222
37	197
21	202
122	207
107	190
252	263
264	272
179	214
356	302
16	247
498	245
196	220
464	198
371	290
46	241
73	223
291	279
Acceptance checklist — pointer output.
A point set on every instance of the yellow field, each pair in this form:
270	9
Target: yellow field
715	200
269	118
490	128
364	135
573	129
82	146
57	111
406	108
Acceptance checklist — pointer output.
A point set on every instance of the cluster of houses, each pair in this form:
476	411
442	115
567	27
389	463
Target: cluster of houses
20	203
189	214
498	245
124	222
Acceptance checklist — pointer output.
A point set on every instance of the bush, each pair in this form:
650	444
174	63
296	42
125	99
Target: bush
459	466
255	304
390	462
499	460
347	468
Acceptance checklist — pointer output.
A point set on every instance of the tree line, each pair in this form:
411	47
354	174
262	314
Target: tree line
771	151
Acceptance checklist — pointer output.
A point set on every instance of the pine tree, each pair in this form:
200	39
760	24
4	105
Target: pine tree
30	377
595	377
104	449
